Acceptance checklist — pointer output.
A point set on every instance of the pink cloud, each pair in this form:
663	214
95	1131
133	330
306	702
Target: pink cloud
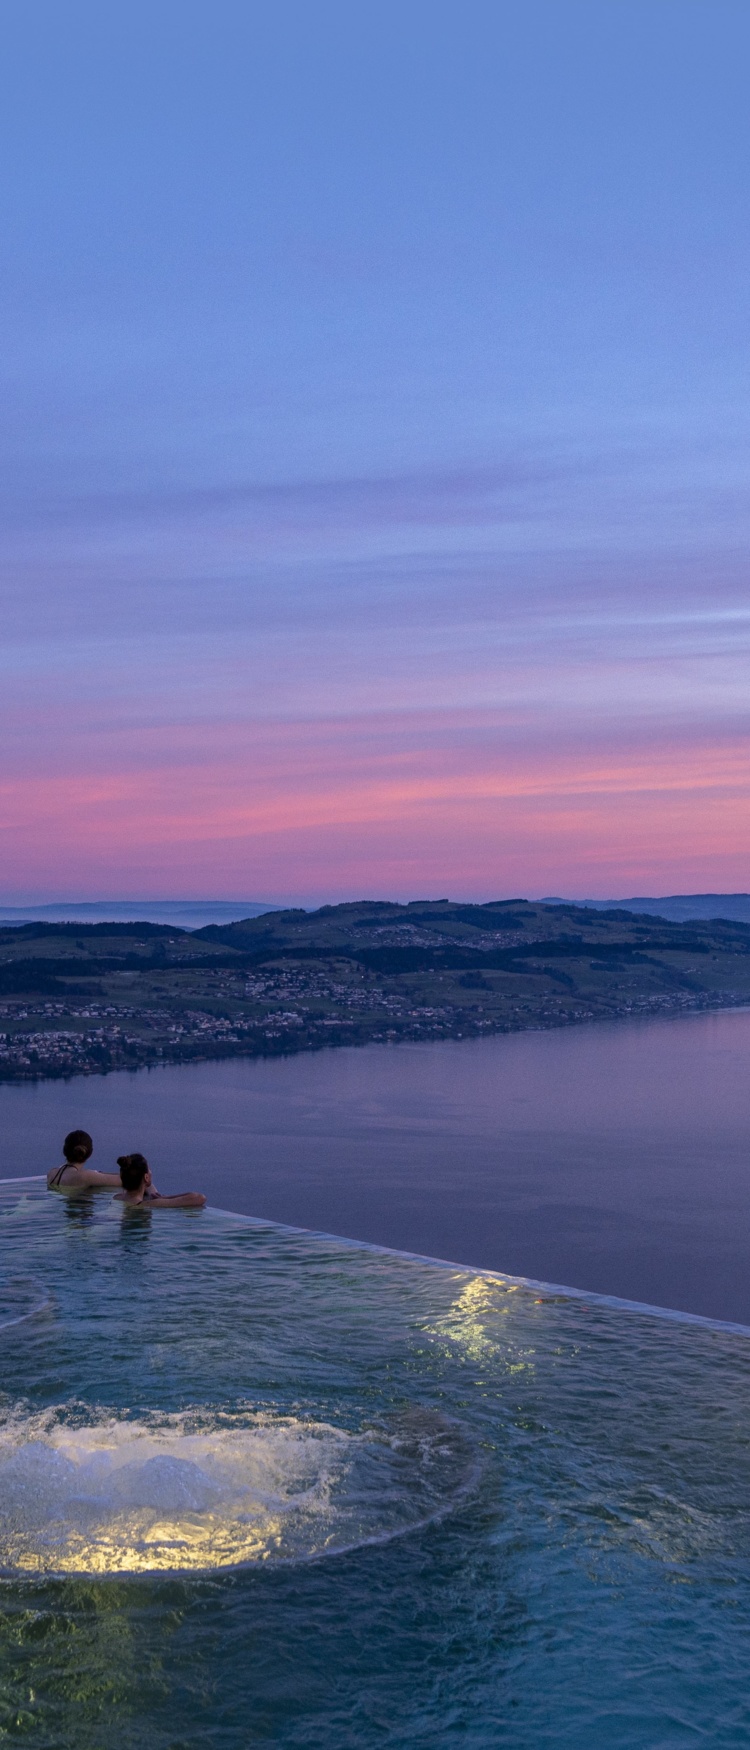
453	802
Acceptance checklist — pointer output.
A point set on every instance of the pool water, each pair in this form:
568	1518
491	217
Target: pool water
263	1487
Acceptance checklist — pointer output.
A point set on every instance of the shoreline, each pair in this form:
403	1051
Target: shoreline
78	1002
658	1007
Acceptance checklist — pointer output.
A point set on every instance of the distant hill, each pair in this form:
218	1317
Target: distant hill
80	998
186	914
195	914
678	907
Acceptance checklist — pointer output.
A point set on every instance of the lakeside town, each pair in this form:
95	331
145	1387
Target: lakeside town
82	1000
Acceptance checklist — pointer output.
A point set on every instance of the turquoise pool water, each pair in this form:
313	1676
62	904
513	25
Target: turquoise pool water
259	1486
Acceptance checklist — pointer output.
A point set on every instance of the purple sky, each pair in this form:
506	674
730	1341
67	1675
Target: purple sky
374	437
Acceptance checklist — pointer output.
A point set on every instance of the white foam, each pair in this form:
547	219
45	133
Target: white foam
114	1495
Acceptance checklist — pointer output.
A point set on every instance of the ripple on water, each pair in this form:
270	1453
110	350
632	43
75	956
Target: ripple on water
22	1298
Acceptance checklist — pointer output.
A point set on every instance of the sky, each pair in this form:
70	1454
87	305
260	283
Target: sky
374	428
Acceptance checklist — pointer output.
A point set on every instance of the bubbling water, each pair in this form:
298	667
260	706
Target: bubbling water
85	1494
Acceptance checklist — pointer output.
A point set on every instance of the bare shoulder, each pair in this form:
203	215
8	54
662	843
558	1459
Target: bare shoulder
60	1176
64	1178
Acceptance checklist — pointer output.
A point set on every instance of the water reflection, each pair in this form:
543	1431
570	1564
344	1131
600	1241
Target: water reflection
79	1207
135	1225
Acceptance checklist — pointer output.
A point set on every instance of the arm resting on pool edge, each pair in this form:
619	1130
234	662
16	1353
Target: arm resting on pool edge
185	1200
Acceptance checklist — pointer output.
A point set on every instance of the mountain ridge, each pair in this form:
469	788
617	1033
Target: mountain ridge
676	907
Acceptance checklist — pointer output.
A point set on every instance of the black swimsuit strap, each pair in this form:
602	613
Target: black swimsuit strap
59	1174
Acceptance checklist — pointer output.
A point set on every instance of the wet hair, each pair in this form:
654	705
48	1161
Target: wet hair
133	1170
77	1147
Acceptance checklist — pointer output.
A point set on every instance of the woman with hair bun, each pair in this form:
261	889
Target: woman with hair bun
74	1174
138	1187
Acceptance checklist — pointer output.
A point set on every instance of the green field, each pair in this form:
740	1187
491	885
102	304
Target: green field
82	999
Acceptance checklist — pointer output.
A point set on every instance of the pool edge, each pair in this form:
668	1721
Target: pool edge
613	1301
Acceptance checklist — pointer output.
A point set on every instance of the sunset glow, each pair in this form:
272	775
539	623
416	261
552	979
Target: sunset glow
375	508
450	804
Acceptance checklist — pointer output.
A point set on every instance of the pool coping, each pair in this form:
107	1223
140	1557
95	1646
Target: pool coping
613	1302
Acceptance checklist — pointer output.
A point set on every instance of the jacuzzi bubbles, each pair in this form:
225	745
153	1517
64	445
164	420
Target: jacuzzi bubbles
84	1494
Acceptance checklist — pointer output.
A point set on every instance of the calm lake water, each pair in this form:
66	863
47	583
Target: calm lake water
613	1157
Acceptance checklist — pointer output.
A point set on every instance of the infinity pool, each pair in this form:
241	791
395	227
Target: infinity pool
260	1486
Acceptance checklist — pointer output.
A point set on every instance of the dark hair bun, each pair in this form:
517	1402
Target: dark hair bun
77	1147
133	1170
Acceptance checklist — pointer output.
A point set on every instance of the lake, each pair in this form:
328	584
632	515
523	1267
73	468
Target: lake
614	1157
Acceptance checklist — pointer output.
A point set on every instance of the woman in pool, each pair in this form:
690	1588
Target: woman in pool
138	1187
74	1174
